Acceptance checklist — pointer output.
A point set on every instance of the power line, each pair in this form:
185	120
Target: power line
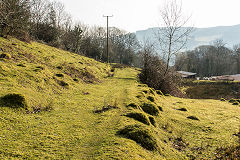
107	37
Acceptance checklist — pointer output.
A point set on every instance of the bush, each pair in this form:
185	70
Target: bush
59	75
158	75
141	135
151	98
150	109
139	117
14	101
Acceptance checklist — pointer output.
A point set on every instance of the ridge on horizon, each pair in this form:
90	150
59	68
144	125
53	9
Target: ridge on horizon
200	36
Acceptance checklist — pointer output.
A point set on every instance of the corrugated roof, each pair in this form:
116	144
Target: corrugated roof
186	73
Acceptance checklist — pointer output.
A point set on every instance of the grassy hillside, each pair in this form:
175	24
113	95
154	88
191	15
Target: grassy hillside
78	108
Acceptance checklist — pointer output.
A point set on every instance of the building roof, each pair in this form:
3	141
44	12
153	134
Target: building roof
186	74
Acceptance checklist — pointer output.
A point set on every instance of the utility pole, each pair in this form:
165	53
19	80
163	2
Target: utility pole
107	37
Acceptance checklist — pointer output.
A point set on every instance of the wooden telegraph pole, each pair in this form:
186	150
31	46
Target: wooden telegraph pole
107	37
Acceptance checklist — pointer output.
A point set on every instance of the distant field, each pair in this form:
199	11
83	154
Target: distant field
212	89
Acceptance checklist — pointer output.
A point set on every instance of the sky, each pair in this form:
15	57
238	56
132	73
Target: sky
133	15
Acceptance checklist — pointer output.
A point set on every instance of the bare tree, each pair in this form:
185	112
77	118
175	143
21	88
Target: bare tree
173	34
14	17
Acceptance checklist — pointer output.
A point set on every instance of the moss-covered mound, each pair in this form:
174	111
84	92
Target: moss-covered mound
141	117
150	109
141	135
13	101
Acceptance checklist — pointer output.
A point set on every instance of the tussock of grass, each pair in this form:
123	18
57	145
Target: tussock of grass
223	99
63	83
193	118
232	100
145	91
150	108
182	109
151	98
151	90
13	101
59	75
5	56
159	92
141	135
160	108
104	109
141	117
133	105
152	120
235	103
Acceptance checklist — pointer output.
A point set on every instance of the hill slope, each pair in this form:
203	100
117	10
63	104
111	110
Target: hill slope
200	36
76	109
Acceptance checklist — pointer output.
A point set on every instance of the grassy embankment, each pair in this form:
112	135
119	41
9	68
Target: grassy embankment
75	110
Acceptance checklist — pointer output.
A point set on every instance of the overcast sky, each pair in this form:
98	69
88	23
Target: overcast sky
133	15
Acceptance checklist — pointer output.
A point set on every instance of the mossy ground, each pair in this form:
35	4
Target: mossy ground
71	130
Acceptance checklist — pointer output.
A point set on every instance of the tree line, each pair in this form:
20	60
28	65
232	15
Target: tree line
48	22
210	60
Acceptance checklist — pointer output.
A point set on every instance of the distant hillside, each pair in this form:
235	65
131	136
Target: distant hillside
201	36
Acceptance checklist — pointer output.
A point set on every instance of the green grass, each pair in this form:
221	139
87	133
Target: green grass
61	123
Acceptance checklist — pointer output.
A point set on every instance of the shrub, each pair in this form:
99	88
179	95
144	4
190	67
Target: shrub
158	75
14	101
150	109
151	98
193	118
139	117
152	120
141	135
